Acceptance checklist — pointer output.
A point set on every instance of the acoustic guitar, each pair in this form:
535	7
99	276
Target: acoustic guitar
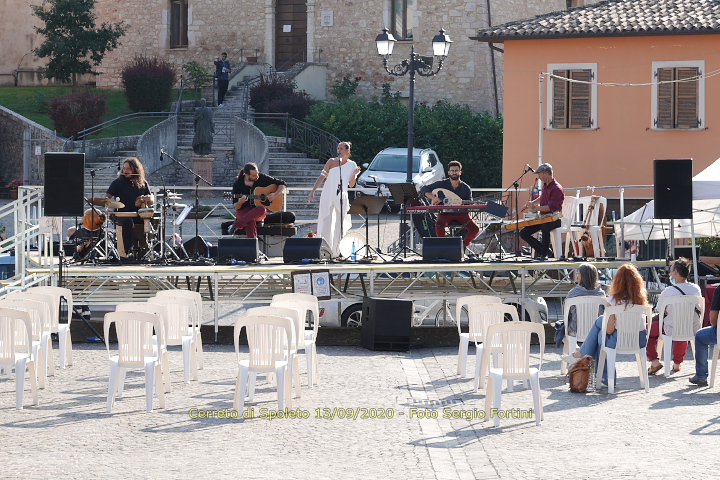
260	196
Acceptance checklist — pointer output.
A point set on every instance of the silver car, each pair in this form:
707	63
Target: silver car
390	166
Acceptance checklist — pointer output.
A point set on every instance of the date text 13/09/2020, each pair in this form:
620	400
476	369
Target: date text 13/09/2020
360	413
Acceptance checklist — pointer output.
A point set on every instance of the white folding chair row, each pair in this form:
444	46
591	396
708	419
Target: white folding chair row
685	323
62	329
157	348
307	339
16	351
629	322
135	350
267	337
178	330
587	311
514	340
196	297
467	337
41	342
293	315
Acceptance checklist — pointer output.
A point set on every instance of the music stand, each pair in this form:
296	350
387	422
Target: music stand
407	192
369	206
498	211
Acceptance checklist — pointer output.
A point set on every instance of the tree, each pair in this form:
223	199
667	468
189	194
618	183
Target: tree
72	42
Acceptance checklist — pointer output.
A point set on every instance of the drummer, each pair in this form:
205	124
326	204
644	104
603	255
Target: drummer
131	189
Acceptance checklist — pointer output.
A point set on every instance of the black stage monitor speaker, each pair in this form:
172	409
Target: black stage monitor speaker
197	247
673	188
303	249
65	184
239	249
386	324
686	252
446	249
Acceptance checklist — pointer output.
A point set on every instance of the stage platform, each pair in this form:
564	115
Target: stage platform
107	285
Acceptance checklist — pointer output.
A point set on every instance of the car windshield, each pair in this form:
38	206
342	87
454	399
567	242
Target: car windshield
386	162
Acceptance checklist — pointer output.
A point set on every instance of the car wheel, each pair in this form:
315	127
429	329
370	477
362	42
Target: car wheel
352	316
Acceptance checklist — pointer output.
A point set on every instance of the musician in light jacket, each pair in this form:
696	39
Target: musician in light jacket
550	201
459	188
247	213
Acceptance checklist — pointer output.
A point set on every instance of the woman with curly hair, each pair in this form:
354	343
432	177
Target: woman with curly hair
627	289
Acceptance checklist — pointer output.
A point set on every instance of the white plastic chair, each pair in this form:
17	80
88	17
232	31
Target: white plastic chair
134	338
594	223
38	312
62	329
266	337
480	318
465	337
304	304
178	330
629	322
155	348
16	351
197	317
715	355
293	315
47	316
569	210
514	338
685	322
587	311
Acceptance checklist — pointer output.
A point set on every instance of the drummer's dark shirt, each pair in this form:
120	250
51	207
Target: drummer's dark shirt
127	192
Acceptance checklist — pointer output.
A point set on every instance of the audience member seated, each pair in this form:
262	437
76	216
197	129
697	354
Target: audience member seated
705	339
587	286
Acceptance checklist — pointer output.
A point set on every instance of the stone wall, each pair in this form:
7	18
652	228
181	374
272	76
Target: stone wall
102	147
23	144
162	136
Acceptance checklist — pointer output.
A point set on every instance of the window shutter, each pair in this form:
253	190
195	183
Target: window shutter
665	107
687	99
580	99
560	88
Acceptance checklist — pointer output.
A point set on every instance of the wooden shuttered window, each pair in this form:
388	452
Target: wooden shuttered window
677	103
178	23
572	100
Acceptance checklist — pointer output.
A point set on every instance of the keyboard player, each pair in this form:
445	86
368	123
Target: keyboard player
462	190
551	200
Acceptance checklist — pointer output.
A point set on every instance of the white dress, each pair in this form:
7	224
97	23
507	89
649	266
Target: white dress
329	212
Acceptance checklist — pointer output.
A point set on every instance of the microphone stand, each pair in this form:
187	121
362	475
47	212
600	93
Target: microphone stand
340	192
516	185
197	179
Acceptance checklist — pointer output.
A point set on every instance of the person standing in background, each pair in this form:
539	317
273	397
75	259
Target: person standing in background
222	72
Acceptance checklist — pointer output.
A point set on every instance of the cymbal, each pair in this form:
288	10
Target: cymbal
107	203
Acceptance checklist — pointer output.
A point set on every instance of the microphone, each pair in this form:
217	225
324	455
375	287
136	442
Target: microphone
529	168
162	153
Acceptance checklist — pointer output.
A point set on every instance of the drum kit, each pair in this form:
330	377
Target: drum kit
100	236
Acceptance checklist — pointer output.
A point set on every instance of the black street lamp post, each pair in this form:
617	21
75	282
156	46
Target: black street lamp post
441	46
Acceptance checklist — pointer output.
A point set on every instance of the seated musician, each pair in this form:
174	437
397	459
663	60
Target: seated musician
550	201
247	212
460	189
132	189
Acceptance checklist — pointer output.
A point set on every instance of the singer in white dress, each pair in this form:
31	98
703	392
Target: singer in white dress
339	174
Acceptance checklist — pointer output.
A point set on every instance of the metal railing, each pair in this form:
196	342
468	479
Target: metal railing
311	140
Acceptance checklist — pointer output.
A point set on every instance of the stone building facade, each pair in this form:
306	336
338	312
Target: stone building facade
339	33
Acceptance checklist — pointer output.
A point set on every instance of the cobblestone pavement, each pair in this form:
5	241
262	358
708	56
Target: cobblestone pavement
624	435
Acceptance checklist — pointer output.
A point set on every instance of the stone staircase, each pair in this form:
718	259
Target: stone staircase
298	171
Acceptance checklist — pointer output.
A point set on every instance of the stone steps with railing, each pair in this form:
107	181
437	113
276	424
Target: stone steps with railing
106	170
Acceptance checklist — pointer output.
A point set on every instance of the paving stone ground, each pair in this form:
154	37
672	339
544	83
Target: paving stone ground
671	431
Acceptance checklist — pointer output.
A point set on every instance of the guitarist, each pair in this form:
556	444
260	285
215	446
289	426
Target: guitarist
551	200
462	190
247	214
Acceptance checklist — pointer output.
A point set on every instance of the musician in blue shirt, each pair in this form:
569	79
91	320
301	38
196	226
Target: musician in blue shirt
455	186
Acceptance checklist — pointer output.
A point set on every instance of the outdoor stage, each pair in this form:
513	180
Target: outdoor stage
107	285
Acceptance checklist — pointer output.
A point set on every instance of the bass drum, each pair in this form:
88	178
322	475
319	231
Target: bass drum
351	243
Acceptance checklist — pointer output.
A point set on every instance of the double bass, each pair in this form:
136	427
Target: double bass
585	239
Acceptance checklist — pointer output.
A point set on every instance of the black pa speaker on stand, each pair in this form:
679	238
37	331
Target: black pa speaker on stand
673	188
238	249
386	324
64	184
303	249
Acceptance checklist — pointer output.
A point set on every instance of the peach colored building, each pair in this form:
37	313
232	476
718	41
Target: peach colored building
608	128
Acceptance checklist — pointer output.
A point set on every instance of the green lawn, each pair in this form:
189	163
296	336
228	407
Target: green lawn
28	102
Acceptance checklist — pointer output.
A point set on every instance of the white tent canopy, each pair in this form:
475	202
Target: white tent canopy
642	224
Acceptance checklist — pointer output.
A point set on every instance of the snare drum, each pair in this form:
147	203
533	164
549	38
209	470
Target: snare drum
146	212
